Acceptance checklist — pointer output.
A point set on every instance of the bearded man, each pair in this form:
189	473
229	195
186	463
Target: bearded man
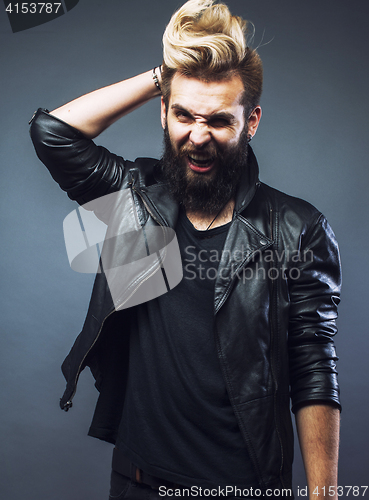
195	384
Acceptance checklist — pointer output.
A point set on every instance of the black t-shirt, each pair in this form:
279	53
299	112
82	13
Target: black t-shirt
178	423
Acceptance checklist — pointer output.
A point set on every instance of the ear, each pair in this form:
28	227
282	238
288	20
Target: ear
254	120
163	113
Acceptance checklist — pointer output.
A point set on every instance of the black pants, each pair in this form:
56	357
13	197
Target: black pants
121	487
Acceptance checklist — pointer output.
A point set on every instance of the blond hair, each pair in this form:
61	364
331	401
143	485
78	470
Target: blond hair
206	41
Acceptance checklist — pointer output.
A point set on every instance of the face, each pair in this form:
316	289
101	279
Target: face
205	140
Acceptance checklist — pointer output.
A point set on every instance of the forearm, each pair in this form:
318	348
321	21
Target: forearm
318	432
94	112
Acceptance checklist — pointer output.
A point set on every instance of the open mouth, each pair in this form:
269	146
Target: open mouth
200	163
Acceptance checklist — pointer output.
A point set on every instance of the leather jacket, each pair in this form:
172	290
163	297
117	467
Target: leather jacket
275	309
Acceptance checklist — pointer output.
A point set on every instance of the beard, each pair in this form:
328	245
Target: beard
204	192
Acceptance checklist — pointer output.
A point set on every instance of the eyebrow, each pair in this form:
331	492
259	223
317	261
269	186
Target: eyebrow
215	116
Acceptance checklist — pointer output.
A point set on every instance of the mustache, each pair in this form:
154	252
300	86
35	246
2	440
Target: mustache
209	151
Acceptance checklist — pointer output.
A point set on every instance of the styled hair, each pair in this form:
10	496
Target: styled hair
206	41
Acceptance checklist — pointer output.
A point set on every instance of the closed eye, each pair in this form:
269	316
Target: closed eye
219	122
182	116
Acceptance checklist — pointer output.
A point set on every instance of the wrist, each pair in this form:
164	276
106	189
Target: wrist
156	76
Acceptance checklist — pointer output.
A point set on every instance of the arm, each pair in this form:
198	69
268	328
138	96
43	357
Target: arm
318	432
314	298
62	138
92	113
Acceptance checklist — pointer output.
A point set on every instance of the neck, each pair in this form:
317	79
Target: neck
203	221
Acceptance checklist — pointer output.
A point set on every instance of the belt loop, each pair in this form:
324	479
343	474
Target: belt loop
135	474
138	475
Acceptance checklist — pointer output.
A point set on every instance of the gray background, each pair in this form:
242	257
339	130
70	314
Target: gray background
312	143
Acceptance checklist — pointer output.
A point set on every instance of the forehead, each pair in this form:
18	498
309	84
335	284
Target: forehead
203	97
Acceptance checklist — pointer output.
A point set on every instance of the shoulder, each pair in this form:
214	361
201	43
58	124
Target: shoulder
292	212
290	218
144	171
285	203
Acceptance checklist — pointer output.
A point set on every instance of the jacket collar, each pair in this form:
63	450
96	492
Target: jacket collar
248	183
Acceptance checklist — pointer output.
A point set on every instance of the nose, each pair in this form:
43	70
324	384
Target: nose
200	134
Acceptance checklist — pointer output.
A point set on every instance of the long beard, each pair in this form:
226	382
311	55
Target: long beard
203	192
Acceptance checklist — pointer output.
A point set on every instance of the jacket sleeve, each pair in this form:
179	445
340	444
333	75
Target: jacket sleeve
314	287
80	167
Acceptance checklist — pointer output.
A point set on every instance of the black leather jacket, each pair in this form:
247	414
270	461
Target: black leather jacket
274	332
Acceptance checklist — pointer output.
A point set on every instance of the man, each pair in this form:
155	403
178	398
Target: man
195	384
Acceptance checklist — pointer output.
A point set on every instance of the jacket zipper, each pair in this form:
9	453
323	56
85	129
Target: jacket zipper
69	403
144	201
229	288
273	331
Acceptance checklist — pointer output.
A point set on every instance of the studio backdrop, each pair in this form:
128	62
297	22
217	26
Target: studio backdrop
312	143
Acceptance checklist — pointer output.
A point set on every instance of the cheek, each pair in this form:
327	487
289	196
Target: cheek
227	139
178	135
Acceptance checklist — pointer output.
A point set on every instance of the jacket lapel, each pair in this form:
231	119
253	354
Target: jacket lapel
244	242
161	203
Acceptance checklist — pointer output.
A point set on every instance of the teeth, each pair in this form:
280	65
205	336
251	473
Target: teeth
196	157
